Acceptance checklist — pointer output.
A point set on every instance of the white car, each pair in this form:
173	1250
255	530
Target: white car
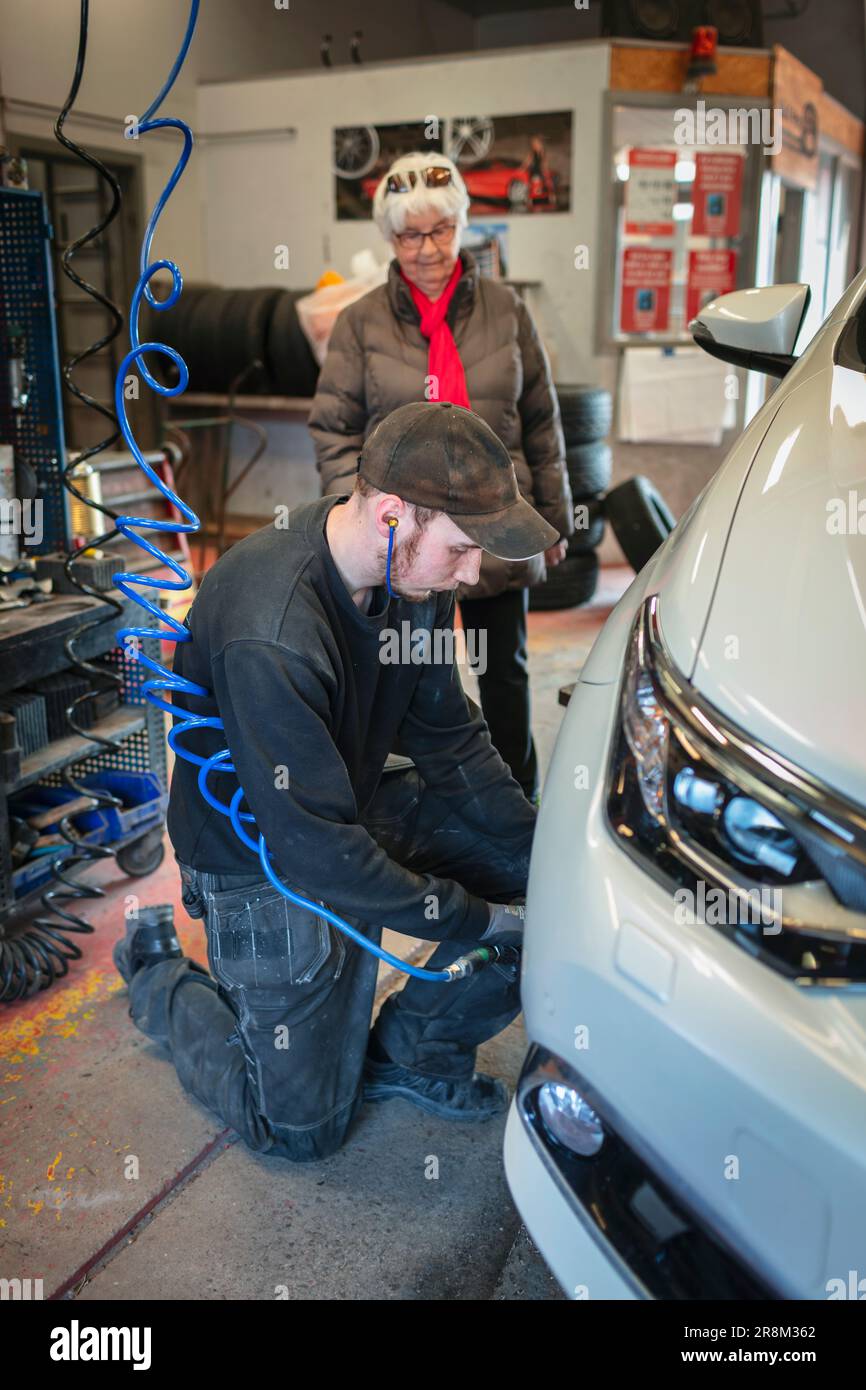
690	1122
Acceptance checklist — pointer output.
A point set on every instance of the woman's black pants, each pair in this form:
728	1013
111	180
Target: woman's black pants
504	685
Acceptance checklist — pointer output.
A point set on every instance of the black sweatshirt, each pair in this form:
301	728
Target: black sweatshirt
311	712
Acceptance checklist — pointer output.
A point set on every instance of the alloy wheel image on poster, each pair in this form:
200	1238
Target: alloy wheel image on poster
510	164
363	153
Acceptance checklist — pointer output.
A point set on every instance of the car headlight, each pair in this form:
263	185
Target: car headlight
646	727
707	807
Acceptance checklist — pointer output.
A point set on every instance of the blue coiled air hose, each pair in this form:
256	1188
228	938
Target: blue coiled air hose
131	637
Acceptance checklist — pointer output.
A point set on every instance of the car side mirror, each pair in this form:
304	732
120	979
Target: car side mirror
756	328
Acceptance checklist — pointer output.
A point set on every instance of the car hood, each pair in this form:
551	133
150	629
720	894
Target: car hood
783	651
684	571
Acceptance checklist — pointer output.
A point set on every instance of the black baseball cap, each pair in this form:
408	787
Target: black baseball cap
440	455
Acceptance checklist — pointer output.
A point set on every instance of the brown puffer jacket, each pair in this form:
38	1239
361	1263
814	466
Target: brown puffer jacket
377	361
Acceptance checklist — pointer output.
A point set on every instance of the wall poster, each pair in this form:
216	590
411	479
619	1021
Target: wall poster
711	273
717	194
511	164
646	288
650	192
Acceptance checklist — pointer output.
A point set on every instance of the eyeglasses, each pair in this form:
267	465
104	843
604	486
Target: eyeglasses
434	176
441	235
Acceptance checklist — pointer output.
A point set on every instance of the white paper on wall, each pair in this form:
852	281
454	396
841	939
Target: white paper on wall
674	397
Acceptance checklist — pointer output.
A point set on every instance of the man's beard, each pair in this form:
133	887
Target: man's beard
402	560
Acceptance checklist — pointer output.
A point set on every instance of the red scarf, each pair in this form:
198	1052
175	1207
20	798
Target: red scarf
443	359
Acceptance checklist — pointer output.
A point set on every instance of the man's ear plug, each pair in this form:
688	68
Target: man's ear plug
392	527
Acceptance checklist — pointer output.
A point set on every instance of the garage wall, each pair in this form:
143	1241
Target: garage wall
253	38
273	189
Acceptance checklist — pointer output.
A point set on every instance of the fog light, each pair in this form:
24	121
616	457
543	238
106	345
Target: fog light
569	1119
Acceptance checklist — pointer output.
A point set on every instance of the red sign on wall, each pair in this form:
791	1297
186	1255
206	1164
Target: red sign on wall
651	192
717	194
646	290
711	273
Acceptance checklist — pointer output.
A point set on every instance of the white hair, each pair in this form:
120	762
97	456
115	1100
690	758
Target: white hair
390	210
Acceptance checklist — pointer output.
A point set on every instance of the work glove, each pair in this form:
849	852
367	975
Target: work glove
506	924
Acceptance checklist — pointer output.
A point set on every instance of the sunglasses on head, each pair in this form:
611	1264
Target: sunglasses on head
434	176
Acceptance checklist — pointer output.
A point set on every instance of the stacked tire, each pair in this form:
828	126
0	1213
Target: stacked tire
293	369
586	413
247	340
640	519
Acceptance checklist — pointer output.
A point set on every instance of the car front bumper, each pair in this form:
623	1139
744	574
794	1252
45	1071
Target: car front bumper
743	1096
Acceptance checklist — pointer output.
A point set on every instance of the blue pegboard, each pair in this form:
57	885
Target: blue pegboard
27	300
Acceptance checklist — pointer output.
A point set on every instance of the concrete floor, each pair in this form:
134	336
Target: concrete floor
116	1185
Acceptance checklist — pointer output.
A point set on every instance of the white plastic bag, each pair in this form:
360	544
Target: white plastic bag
318	311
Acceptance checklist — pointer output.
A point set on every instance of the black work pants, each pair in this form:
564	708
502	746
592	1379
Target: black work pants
273	1040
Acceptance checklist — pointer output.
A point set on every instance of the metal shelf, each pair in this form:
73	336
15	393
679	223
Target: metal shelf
128	719
31	639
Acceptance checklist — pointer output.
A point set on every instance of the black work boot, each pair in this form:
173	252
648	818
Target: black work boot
471	1098
149	937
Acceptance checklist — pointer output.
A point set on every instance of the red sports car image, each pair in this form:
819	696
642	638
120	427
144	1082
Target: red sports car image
505	180
497	182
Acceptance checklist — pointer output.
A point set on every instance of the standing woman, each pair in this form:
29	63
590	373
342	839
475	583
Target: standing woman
437	330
